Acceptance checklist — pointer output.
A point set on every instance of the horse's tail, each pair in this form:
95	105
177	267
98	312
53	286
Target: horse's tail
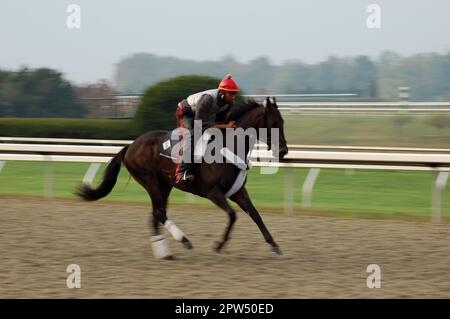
86	192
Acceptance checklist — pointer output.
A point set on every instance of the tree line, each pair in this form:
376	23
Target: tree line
44	92
427	75
39	92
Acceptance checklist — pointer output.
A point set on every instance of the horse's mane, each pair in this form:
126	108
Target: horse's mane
238	111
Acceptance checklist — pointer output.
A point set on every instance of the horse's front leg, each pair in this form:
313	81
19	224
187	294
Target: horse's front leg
243	200
218	198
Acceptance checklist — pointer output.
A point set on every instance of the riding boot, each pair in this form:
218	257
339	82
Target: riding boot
184	173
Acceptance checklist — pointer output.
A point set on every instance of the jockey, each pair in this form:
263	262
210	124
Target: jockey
208	106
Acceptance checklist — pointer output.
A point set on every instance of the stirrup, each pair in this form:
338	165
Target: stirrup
184	177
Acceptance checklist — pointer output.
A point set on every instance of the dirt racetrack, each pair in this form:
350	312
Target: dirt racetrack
323	257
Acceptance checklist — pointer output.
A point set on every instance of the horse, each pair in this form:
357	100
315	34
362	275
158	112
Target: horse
156	174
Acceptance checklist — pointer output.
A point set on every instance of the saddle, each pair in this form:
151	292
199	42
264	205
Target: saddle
171	138
167	143
165	147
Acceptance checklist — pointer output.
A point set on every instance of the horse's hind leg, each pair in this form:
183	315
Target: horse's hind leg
159	194
159	191
243	200
159	197
218	198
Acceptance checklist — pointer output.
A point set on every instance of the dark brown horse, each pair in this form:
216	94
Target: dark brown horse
155	173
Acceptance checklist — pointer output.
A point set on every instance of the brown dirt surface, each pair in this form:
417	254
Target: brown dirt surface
324	257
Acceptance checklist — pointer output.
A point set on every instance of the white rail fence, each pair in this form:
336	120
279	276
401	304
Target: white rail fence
360	107
313	157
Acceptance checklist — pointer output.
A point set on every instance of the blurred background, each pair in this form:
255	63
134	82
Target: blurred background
345	74
351	73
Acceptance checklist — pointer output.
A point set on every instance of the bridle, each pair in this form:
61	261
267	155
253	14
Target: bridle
266	125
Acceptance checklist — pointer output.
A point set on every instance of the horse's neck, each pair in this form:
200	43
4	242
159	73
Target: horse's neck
251	119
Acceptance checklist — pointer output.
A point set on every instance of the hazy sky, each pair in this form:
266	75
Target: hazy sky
34	33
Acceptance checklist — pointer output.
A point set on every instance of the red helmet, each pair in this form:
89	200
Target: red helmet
228	84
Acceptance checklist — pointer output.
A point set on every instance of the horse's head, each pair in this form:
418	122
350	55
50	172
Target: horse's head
249	114
274	120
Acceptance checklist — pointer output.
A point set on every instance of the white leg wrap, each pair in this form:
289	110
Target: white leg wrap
174	230
160	247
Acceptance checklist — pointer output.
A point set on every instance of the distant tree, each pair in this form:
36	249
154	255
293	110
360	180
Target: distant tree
425	74
364	76
37	93
258	75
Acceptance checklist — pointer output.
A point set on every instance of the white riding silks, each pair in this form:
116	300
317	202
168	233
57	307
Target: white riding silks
174	230
160	247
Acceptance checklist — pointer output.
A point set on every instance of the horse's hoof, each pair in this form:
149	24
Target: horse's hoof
186	243
218	247
170	257
277	250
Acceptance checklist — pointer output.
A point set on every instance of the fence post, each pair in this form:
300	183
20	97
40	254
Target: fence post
438	190
308	187
2	164
91	172
48	179
289	192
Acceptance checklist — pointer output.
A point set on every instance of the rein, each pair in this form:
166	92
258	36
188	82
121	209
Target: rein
266	125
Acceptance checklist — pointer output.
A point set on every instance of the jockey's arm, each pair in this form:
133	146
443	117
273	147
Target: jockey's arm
204	113
230	124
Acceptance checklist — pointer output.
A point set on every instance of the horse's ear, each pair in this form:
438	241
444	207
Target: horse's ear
274	102
271	101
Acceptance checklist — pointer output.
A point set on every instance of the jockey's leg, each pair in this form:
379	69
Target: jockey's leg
243	200
218	198
183	169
